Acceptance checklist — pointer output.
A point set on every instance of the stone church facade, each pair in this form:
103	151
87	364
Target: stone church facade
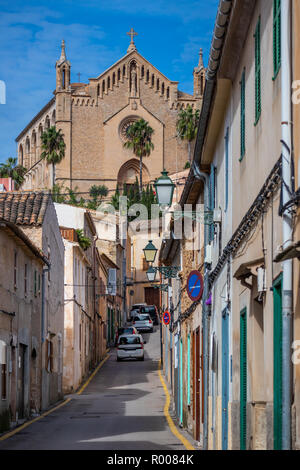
94	117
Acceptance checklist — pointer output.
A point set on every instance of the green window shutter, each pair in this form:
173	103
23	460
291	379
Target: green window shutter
243	379
243	121
257	73
276	36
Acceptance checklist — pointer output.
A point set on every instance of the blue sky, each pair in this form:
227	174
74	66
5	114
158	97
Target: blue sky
170	34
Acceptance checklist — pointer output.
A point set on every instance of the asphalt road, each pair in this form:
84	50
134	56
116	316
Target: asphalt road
120	409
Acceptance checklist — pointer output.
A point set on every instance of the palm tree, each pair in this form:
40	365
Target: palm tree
53	146
139	136
10	169
187	125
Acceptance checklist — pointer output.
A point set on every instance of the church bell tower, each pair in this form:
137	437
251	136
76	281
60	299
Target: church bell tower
199	77
63	114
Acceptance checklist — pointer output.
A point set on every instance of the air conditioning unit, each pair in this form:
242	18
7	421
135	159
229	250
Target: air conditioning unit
217	216
208	255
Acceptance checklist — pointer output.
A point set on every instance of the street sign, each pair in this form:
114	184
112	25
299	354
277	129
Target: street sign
166	317
194	286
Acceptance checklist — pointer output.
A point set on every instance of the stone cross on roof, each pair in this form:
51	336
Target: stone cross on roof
131	47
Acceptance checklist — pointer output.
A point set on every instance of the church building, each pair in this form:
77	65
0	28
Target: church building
94	117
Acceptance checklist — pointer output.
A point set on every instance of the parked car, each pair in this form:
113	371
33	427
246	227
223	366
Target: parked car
135	309
152	310
130	346
143	322
125	330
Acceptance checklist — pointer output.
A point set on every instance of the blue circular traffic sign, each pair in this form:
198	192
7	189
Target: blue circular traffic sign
194	286
166	317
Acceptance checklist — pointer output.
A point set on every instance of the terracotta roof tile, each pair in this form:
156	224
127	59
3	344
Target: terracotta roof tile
24	208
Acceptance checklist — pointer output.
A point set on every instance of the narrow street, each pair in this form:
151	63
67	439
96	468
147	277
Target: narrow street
120	409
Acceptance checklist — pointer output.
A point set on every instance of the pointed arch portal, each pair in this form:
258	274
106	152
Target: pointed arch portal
130	171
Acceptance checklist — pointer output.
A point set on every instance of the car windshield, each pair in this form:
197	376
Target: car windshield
128	330
130	340
148	309
143	317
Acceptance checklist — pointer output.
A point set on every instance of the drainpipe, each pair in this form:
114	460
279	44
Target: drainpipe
287	224
205	308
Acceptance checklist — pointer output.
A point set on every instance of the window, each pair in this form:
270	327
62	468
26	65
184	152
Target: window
35	289
276	36
49	356
226	167
15	269
212	202
143	72
257	74
243	140
25	278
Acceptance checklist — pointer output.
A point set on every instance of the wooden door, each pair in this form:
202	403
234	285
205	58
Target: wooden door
152	297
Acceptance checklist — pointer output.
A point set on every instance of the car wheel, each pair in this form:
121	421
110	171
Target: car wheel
142	358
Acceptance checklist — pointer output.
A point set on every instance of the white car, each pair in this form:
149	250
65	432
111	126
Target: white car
143	322
130	346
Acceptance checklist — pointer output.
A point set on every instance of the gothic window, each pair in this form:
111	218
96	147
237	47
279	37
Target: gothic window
143	72
163	89
47	122
124	71
114	79
98	90
108	83
168	92
21	155
53	118
157	84
33	143
119	74
147	76
152	80
133	78
103	86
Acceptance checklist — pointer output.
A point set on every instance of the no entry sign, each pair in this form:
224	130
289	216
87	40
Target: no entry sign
166	317
194	286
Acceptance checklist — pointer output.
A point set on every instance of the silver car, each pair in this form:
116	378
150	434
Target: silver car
130	346
135	309
143	322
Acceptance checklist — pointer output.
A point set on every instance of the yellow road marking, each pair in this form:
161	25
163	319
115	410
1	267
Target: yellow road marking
171	424
23	426
28	423
93	375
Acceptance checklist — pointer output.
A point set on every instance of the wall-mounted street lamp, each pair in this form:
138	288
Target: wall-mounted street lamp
150	252
164	188
168	272
151	274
